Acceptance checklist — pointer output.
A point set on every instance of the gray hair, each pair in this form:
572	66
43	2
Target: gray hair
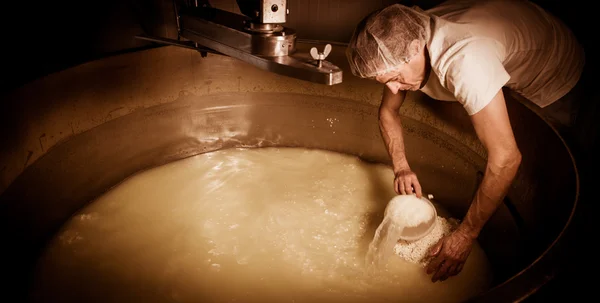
381	40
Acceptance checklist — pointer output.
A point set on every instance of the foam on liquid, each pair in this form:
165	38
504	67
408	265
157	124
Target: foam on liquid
257	225
403	211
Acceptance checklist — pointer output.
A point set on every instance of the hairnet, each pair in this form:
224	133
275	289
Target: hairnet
381	40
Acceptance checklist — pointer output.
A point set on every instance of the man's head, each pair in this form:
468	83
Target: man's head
389	46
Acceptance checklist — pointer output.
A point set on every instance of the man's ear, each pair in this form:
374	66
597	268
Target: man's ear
415	47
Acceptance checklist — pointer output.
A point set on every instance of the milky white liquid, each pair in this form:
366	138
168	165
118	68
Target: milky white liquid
258	225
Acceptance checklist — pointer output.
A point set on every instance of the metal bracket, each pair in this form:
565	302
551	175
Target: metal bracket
207	29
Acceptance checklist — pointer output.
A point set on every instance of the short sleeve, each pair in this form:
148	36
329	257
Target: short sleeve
474	74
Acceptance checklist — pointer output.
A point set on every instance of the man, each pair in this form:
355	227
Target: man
466	51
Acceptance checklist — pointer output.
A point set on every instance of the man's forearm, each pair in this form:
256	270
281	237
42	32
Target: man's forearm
390	126
494	186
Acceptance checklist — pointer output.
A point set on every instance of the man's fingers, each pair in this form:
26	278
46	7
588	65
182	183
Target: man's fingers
455	270
451	271
442	272
435	250
406	183
434	264
408	186
417	187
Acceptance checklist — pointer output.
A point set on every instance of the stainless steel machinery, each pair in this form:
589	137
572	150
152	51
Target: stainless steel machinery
258	37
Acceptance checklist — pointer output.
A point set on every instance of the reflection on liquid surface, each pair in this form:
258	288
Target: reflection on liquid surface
257	225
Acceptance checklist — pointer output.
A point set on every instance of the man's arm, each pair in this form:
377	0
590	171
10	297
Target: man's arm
493	129
504	158
390	126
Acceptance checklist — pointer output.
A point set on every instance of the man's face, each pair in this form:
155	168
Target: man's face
408	76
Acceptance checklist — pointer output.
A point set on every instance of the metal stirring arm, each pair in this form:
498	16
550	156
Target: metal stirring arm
259	39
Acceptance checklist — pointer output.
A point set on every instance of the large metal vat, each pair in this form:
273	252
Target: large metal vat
83	130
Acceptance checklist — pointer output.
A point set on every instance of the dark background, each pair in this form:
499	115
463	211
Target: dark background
42	37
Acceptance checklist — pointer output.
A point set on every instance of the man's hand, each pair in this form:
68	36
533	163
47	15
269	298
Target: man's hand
406	183
449	255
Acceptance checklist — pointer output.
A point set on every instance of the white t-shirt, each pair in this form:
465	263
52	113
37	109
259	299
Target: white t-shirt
477	47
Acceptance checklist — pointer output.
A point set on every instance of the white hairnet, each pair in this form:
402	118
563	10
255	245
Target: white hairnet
381	40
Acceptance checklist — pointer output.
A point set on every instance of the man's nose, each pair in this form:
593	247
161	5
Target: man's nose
393	86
